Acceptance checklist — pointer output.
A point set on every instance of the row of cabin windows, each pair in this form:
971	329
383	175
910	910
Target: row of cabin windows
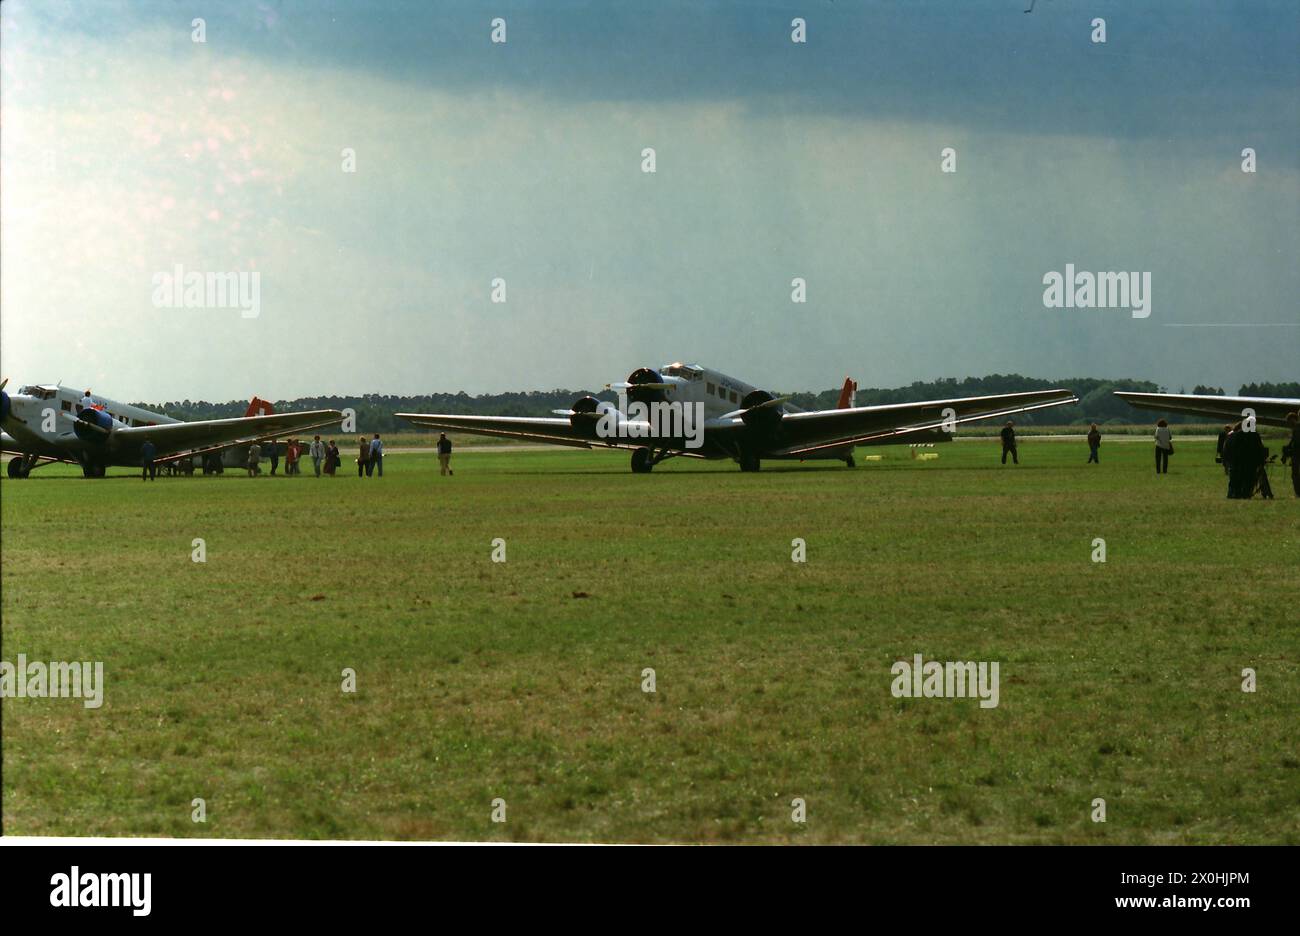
67	408
722	392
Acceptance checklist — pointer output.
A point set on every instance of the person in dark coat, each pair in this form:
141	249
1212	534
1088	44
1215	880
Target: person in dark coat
1094	443
148	470
1218	448
1245	452
1009	443
444	454
1293	420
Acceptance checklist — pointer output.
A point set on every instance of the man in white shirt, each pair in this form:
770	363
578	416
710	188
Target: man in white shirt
317	451
1164	447
376	456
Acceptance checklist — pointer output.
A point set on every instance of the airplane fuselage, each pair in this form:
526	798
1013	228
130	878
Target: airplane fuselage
42	421
712	397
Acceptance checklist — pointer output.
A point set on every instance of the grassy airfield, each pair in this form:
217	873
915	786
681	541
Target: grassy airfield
522	680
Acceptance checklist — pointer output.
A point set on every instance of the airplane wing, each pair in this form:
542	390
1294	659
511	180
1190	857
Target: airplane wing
796	433
1270	411
804	433
172	438
542	429
526	429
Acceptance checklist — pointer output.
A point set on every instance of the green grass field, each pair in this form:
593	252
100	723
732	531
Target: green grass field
522	680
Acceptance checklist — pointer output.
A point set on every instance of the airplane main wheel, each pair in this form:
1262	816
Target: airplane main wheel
848	460
16	469
92	470
641	463
749	462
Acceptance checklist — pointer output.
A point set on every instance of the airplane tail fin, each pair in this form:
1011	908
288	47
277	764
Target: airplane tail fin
848	395
259	407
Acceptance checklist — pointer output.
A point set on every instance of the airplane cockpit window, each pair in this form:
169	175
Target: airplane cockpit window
41	393
682	370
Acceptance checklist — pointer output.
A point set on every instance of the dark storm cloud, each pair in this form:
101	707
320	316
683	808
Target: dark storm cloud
1168	70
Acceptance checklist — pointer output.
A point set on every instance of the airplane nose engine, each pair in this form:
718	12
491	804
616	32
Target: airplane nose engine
4	406
638	394
92	425
585	406
586	414
756	415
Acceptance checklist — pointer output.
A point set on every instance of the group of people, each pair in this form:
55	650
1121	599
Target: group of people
370	456
324	457
1241	452
1244	457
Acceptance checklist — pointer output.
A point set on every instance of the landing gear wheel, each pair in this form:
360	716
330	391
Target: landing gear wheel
92	470
642	461
848	460
16	467
749	462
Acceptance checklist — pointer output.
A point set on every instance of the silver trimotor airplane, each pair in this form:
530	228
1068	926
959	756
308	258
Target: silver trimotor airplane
717	416
45	423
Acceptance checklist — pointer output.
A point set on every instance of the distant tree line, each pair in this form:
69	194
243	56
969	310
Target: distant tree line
1097	402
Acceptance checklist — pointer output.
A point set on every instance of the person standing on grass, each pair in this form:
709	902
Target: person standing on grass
1228	448
254	456
1009	443
1293	420
1248	457
290	457
444	455
377	455
1164	447
332	458
148	471
317	452
1218	448
1240	453
274	454
363	456
1094	443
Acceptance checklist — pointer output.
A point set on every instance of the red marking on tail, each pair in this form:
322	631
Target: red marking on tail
848	394
259	407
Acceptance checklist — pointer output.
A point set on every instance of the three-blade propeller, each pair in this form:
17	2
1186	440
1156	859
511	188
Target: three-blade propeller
766	404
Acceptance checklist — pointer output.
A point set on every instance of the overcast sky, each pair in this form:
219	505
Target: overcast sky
129	148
